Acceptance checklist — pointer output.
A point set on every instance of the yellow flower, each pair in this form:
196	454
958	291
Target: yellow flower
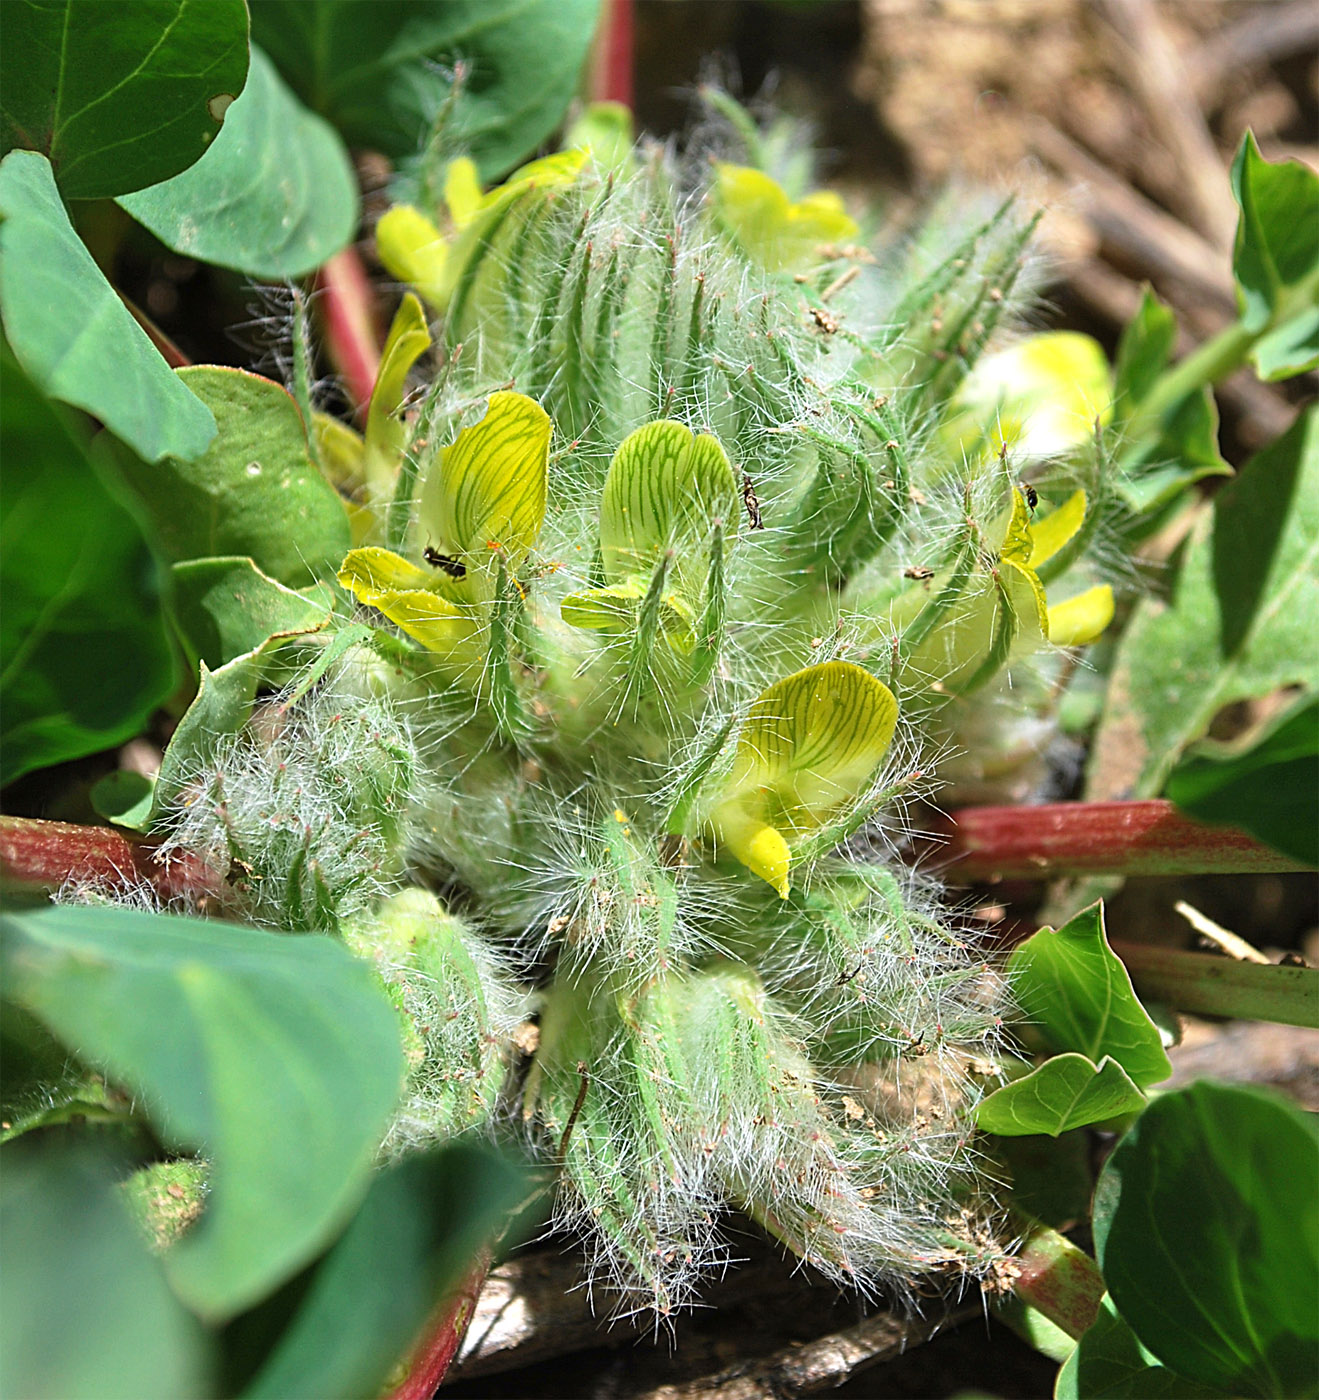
769	228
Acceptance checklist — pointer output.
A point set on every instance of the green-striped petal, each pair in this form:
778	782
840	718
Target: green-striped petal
386	435
809	747
485	496
665	488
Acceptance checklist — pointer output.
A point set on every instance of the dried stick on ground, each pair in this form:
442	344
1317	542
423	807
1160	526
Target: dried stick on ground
817	1366
1159	246
1160	79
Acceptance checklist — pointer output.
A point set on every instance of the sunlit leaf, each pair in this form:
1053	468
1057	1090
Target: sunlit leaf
1109	1363
274	197
1074	990
72	334
1065	1092
1208	1236
119	96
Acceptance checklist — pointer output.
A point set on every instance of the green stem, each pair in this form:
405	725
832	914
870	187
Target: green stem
1208	364
1216	986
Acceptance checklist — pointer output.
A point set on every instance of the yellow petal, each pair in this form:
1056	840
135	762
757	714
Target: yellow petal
779	235
382	580
486	493
413	250
462	191
1079	620
1049	533
386	436
665	488
758	846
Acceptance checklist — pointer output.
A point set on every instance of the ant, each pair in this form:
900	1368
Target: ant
455	568
752	503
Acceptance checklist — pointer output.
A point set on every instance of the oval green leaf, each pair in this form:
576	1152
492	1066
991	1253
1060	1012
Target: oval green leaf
1109	1363
225	607
119	96
1068	1091
84	1308
1074	989
73	335
84	655
276	1057
254	492
380	69
274	197
1207	1229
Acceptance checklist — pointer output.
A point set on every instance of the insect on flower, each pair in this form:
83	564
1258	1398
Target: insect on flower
455	568
1031	494
752	503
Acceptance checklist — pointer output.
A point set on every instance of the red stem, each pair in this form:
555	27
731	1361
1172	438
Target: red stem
1096	838
443	1335
1059	1279
611	73
38	857
347	308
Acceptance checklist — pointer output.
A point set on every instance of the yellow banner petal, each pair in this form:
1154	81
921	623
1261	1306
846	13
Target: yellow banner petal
485	495
386	436
1079	620
810	746
1049	533
665	488
415	251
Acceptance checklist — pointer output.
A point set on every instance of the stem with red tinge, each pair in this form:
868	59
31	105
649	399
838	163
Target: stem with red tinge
38	857
443	1336
346	305
611	73
1096	838
1058	1279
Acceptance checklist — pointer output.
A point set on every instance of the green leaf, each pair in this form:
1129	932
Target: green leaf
274	197
222	706
225	607
73	335
1275	259
1143	353
376	68
253	492
276	1057
124	798
1240	623
1073	988
1207	1231
1051	1177
810	745
119	96
85	1311
1109	1363
84	655
419	1229
1067	1091
1270	789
